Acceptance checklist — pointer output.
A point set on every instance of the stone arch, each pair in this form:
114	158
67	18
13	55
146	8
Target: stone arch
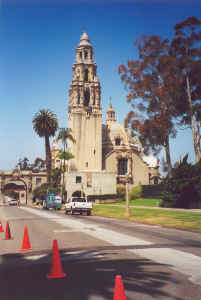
85	54
16	190
12	185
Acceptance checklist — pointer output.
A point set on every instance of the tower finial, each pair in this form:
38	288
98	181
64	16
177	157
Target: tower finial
110	101
84	39
110	112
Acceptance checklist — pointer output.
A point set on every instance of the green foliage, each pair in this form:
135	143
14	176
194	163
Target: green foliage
136	192
151	83
121	191
185	47
183	190
64	155
45	125
64	135
25	165
153	191
41	191
55	177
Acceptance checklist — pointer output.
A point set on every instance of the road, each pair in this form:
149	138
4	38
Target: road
155	263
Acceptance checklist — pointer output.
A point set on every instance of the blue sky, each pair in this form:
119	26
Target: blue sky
38	41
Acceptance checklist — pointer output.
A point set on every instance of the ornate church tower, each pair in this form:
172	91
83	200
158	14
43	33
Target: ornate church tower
84	112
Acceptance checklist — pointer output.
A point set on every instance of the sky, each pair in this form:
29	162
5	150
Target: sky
38	42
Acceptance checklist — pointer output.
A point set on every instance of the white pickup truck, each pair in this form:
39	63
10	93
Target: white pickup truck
78	204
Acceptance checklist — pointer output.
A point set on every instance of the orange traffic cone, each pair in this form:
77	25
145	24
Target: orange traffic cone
1	227
7	234
56	268
26	244
119	293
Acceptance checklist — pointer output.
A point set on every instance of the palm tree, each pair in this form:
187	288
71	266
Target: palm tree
64	135
63	156
45	125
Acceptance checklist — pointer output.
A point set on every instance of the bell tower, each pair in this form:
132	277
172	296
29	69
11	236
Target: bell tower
84	112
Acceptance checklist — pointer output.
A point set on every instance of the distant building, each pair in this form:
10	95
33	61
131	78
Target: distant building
105	155
21	182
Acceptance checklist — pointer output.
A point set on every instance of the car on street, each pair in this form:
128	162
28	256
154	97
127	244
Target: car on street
78	205
13	201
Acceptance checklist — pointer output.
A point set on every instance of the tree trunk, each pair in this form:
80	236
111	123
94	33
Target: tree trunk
196	134
48	158
168	158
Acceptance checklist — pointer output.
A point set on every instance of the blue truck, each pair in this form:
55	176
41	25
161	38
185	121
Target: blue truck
52	201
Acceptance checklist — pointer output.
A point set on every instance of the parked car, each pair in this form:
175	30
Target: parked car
13	201
79	205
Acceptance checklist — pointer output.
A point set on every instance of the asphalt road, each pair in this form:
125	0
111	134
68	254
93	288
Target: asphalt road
155	263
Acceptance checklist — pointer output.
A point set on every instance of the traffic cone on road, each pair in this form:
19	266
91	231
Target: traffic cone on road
1	227
7	234
56	268
119	293
26	244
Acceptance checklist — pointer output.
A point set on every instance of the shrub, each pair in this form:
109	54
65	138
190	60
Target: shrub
136	192
183	190
41	191
121	191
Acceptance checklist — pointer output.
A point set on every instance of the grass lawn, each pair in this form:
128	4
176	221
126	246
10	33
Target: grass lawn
171	218
142	202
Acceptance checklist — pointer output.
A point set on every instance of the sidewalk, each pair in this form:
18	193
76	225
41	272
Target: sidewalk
195	210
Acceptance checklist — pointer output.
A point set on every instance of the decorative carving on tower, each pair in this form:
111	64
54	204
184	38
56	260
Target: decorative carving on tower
85	88
84	111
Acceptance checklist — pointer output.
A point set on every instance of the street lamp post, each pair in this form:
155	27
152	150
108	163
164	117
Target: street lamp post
127	214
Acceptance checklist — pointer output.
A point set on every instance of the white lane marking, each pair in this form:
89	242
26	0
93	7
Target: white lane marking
40	213
186	263
35	257
69	256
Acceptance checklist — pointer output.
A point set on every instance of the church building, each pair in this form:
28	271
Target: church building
105	155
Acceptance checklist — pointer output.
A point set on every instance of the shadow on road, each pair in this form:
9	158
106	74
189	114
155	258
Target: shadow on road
87	278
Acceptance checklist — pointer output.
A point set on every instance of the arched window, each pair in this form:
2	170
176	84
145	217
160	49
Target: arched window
78	98
85	54
81	55
86	75
122	166
86	97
